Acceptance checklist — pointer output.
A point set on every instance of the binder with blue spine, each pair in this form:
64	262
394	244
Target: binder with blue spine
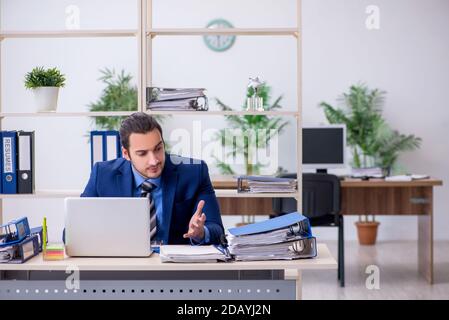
112	145
9	162
285	237
296	222
104	146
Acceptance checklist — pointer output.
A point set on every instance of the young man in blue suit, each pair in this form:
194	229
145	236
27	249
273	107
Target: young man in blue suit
186	207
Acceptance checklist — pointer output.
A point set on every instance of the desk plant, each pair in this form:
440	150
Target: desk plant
45	84
373	141
250	123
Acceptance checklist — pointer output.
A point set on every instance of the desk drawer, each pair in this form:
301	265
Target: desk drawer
386	200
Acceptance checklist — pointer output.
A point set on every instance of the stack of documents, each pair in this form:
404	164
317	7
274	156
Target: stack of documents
176	99
282	238
262	184
374	172
408	177
190	254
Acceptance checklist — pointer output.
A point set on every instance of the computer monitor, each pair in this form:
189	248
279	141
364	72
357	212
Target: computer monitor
323	147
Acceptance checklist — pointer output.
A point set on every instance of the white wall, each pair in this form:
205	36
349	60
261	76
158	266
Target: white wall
404	57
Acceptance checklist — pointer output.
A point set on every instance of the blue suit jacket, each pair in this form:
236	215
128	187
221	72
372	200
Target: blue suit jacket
184	183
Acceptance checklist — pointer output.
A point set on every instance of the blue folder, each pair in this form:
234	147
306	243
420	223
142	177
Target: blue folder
279	222
9	164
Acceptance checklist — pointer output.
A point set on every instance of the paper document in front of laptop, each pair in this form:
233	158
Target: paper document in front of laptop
190	254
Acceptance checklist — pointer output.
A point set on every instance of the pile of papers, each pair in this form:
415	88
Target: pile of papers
263	184
191	254
374	172
407	177
176	99
285	237
300	248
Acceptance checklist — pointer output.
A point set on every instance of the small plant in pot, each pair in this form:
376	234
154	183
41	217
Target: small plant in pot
45	84
367	230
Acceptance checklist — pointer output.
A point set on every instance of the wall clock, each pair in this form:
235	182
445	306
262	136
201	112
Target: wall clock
219	42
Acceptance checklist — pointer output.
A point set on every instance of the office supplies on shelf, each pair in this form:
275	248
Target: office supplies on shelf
177	99
261	184
9	155
25	162
104	146
192	254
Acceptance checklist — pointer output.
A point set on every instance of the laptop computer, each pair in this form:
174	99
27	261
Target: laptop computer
107	227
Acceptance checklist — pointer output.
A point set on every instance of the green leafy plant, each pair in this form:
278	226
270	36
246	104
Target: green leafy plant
368	133
249	123
118	95
40	77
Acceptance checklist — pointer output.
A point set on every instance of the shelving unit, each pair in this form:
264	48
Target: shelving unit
145	34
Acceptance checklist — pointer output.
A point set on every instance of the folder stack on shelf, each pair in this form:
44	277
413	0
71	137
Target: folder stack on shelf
176	99
285	237
262	184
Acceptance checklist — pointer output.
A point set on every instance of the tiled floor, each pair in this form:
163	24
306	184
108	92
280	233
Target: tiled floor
398	270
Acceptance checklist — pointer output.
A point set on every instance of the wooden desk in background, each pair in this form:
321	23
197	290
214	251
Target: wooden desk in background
378	197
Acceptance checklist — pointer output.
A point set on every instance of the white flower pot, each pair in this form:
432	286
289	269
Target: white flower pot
46	98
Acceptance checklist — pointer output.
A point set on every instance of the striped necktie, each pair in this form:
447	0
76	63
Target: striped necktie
147	188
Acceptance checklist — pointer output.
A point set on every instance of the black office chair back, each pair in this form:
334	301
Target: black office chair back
321	196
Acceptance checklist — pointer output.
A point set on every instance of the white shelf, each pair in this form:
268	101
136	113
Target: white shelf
220	193
226	113
65	114
44	194
68	34
223	31
127	113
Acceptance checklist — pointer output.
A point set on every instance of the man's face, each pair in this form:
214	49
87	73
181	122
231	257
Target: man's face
146	153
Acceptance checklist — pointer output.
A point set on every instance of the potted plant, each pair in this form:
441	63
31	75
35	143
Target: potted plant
367	230
372	140
45	84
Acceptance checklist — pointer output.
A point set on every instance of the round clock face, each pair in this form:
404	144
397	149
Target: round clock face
218	42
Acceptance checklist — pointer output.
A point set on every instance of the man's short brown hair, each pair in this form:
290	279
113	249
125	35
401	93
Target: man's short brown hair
138	122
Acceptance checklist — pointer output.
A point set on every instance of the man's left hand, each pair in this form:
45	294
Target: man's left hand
196	224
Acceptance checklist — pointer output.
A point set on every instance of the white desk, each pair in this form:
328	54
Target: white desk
148	278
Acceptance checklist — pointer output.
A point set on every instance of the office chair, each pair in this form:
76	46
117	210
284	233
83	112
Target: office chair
321	204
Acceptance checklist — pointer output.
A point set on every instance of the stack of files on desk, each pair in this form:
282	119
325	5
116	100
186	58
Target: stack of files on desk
262	184
285	237
373	172
176	99
191	254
